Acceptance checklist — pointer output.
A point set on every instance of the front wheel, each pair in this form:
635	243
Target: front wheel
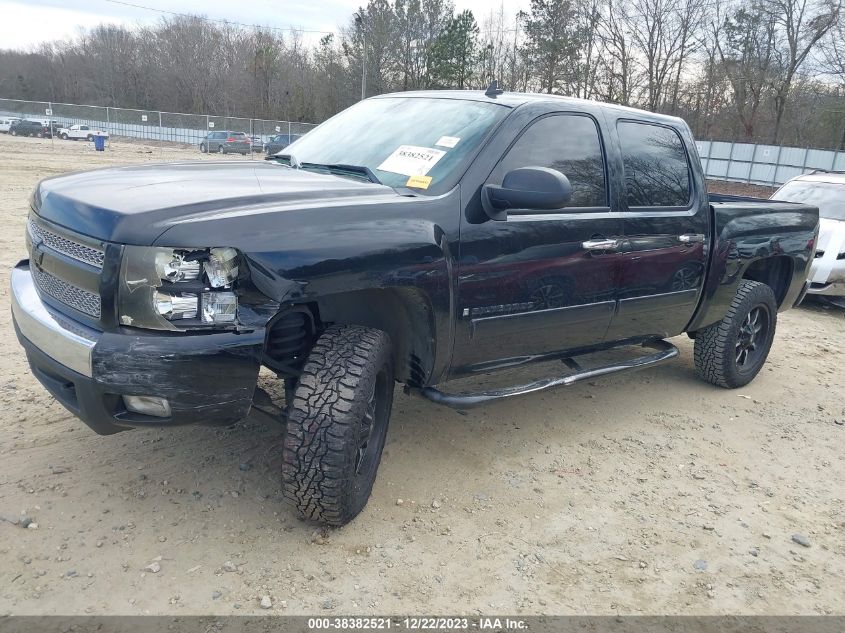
337	424
13	133
64	136
220	149
731	353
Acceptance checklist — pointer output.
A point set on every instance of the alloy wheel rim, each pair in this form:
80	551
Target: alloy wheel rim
752	335
367	425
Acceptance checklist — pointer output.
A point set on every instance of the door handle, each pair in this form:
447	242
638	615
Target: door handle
691	238
600	245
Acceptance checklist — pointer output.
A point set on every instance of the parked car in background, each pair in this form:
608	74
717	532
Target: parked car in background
256	144
825	190
28	127
77	132
226	142
279	142
6	122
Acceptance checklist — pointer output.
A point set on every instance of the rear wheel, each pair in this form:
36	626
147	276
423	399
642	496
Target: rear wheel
13	133
337	424
220	149
90	137
731	353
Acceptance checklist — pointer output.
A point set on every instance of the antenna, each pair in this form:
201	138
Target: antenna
493	89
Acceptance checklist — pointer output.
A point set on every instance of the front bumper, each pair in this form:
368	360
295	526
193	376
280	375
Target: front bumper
206	378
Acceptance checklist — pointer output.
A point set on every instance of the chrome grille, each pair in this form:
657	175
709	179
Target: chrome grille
74	250
73	296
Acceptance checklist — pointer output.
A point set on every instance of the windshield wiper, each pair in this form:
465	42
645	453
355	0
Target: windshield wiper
342	168
290	158
332	168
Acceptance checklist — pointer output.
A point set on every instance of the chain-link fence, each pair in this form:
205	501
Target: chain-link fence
154	127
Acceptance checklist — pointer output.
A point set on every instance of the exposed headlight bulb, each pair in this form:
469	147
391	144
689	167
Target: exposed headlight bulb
221	267
172	266
172	307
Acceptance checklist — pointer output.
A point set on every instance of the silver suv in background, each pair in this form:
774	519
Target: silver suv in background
6	123
826	190
225	142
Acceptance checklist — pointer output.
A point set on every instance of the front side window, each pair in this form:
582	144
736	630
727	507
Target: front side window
568	143
656	167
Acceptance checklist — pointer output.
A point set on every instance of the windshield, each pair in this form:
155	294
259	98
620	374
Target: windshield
827	196
422	143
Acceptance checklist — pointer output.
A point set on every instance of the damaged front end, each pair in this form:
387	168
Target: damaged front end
144	336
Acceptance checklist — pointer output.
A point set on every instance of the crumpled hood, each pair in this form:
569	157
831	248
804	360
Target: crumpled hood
136	204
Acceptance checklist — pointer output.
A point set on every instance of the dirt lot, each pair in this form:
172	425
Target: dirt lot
645	493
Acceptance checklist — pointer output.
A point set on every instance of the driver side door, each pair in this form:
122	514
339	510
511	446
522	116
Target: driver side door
538	281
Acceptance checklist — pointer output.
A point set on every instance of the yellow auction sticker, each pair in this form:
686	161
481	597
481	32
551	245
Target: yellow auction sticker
419	182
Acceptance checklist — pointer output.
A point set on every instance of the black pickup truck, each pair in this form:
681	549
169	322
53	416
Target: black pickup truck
412	238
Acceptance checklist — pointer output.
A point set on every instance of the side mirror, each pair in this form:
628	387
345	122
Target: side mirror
526	188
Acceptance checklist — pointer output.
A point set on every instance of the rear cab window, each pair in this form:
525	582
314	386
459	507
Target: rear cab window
657	172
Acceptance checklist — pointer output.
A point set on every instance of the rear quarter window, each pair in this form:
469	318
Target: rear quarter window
656	166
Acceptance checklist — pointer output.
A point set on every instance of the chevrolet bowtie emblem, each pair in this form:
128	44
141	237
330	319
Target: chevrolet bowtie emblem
38	252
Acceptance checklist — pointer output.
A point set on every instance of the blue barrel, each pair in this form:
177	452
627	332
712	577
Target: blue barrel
100	143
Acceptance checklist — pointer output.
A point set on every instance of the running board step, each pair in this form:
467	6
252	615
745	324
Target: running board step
665	352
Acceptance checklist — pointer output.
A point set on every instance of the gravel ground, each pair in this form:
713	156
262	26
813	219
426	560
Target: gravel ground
740	189
643	493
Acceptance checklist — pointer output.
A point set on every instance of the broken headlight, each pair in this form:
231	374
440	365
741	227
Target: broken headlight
178	288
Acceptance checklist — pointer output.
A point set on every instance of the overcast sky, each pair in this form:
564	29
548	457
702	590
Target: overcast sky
29	22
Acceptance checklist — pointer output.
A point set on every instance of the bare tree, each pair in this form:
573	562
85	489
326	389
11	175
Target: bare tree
662	35
745	42
617	53
799	26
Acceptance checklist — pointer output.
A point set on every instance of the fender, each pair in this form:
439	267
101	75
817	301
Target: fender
354	263
746	248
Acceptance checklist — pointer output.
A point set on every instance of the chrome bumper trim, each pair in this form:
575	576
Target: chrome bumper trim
66	341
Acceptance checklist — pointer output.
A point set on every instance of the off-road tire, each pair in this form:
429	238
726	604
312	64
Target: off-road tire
348	374
717	346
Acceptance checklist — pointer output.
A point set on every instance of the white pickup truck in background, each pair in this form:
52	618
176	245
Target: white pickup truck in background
77	132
